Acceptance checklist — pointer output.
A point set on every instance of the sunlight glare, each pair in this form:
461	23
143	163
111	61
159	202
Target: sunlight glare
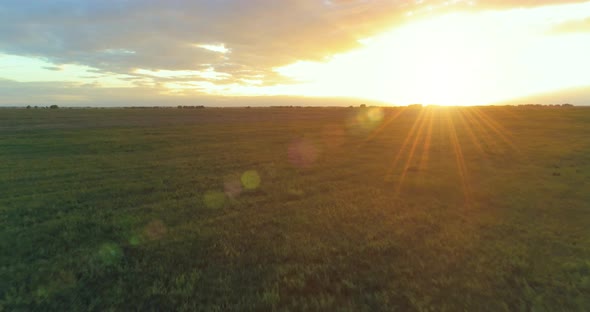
467	58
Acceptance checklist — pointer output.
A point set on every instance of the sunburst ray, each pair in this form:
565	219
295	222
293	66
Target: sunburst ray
406	142
460	160
423	120
427	141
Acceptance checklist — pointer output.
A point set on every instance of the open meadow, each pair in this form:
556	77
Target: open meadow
290	209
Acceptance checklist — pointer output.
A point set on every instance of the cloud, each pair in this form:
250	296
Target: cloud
573	26
162	34
70	94
242	40
523	3
13	93
54	68
120	36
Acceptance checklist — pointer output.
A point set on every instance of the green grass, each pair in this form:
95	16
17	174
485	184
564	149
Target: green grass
327	209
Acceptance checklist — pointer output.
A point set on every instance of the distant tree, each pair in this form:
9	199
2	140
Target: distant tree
567	105
28	106
179	106
36	106
363	105
54	106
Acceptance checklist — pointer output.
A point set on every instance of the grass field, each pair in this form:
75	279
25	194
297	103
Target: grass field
326	209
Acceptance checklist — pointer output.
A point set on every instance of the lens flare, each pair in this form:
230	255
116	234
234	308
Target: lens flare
214	199
303	153
134	240
155	230
375	114
250	180
232	187
366	120
109	253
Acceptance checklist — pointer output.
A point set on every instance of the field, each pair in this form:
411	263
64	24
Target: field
290	209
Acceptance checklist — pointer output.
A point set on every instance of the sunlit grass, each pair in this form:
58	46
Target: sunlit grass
360	209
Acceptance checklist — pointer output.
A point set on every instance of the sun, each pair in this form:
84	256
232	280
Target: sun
455	59
438	61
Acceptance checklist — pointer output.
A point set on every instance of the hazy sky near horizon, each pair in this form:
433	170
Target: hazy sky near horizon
70	52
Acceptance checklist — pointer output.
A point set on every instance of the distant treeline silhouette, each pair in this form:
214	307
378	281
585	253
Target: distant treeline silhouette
190	107
547	105
51	107
415	106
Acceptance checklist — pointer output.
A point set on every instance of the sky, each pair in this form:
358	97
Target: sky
267	52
